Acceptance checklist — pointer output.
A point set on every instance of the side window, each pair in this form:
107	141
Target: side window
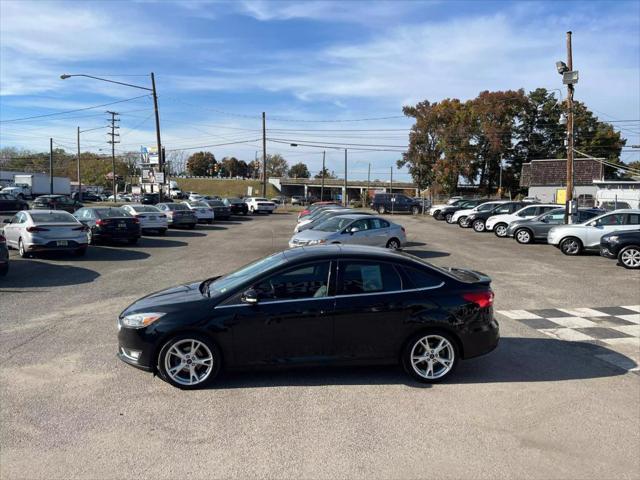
375	223
503	209
528	211
633	219
617	219
546	209
422	279
555	217
360	224
309	281
368	277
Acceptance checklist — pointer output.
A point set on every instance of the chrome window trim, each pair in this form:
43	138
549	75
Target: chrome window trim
333	296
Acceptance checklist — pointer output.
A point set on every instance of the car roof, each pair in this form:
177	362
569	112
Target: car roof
340	250
43	211
355	216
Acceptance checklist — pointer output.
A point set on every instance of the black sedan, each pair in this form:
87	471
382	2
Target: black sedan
220	210
150	199
56	202
11	204
236	205
478	220
109	224
446	213
324	305
624	245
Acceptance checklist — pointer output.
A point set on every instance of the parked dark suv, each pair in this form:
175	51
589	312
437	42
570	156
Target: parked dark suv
56	202
11	204
395	203
477	220
624	245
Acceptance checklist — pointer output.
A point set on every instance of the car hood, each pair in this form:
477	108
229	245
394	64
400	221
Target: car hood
167	300
466	211
522	221
308	235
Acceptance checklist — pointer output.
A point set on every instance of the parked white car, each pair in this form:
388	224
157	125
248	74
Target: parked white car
151	218
460	216
33	231
435	208
204	213
259	205
195	197
500	223
574	239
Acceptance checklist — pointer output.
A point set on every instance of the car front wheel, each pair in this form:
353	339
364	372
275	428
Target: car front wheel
415	210
382	210
478	225
449	217
430	357
629	257
462	222
500	230
571	246
189	361
523	236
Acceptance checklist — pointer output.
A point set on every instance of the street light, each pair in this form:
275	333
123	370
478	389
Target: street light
155	107
344	199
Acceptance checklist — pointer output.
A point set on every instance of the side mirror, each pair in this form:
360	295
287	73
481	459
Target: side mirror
353	230
250	296
544	219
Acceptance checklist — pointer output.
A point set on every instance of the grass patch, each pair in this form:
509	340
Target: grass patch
224	187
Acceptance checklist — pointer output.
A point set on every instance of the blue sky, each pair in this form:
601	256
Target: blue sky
220	64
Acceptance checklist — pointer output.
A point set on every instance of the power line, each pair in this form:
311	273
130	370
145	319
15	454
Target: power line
213	145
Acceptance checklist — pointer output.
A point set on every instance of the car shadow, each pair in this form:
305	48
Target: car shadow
156	242
31	273
174	232
111	253
414	244
210	227
515	360
240	218
427	253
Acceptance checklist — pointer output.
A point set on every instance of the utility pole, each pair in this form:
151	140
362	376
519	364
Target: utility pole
158	142
368	180
345	199
51	166
78	167
569	196
391	189
113	142
500	179
322	184
264	154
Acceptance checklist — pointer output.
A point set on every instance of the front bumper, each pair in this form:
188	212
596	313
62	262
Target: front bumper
136	347
605	251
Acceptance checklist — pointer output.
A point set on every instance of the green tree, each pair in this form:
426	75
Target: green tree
277	166
299	170
232	167
201	164
327	174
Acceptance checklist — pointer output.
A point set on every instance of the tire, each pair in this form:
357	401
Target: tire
4	270
436	213
191	226
430	365
162	231
90	239
179	351
382	210
461	222
132	241
449	217
393	244
21	250
571	246
500	230
80	252
478	225
253	212
629	257
523	236
415	210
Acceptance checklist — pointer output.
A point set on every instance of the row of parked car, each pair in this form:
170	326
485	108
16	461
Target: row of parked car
615	234
329	223
60	223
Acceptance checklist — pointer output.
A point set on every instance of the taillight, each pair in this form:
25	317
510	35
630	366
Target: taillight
482	299
37	229
100	222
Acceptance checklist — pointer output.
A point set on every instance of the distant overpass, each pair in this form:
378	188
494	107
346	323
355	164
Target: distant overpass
335	187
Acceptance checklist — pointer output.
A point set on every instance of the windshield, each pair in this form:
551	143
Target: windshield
260	199
111	212
334	224
53	217
177	206
145	208
231	281
486	206
198	204
215	203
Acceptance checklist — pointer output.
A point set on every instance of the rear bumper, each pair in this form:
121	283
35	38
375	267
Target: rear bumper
481	341
52	245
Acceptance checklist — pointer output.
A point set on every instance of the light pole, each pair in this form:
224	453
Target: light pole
344	199
155	107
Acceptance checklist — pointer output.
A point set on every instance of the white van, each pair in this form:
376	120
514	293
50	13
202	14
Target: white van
616	198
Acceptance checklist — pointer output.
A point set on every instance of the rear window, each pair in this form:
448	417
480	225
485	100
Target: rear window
145	208
177	206
215	203
53	217
111	212
421	279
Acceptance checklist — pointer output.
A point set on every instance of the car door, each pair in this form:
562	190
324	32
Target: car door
595	229
378	232
541	229
12	230
529	212
370	310
292	322
357	233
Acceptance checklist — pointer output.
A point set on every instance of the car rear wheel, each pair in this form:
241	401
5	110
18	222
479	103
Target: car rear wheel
478	225
571	246
21	250
462	222
393	244
500	230
382	210
449	217
629	257
189	361
90	239
430	357
523	236
415	210
80	252
162	231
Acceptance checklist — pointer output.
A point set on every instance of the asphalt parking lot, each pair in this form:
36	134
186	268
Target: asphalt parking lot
543	405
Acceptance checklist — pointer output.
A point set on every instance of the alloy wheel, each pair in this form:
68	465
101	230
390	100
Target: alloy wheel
448	217
382	210
188	362
570	246
500	230
523	236
630	257
393	244
21	249
432	357
478	226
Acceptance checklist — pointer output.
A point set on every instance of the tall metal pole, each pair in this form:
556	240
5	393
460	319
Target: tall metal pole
569	195
322	184
78	168
500	179
368	181
391	189
264	154
113	142
50	166
158	141
345	199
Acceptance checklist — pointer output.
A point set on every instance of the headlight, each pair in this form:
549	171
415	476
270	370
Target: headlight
140	320
316	242
613	238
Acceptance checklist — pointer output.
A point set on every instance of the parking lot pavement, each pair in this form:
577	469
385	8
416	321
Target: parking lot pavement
539	406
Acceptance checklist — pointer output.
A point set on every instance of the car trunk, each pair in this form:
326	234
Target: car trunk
59	231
